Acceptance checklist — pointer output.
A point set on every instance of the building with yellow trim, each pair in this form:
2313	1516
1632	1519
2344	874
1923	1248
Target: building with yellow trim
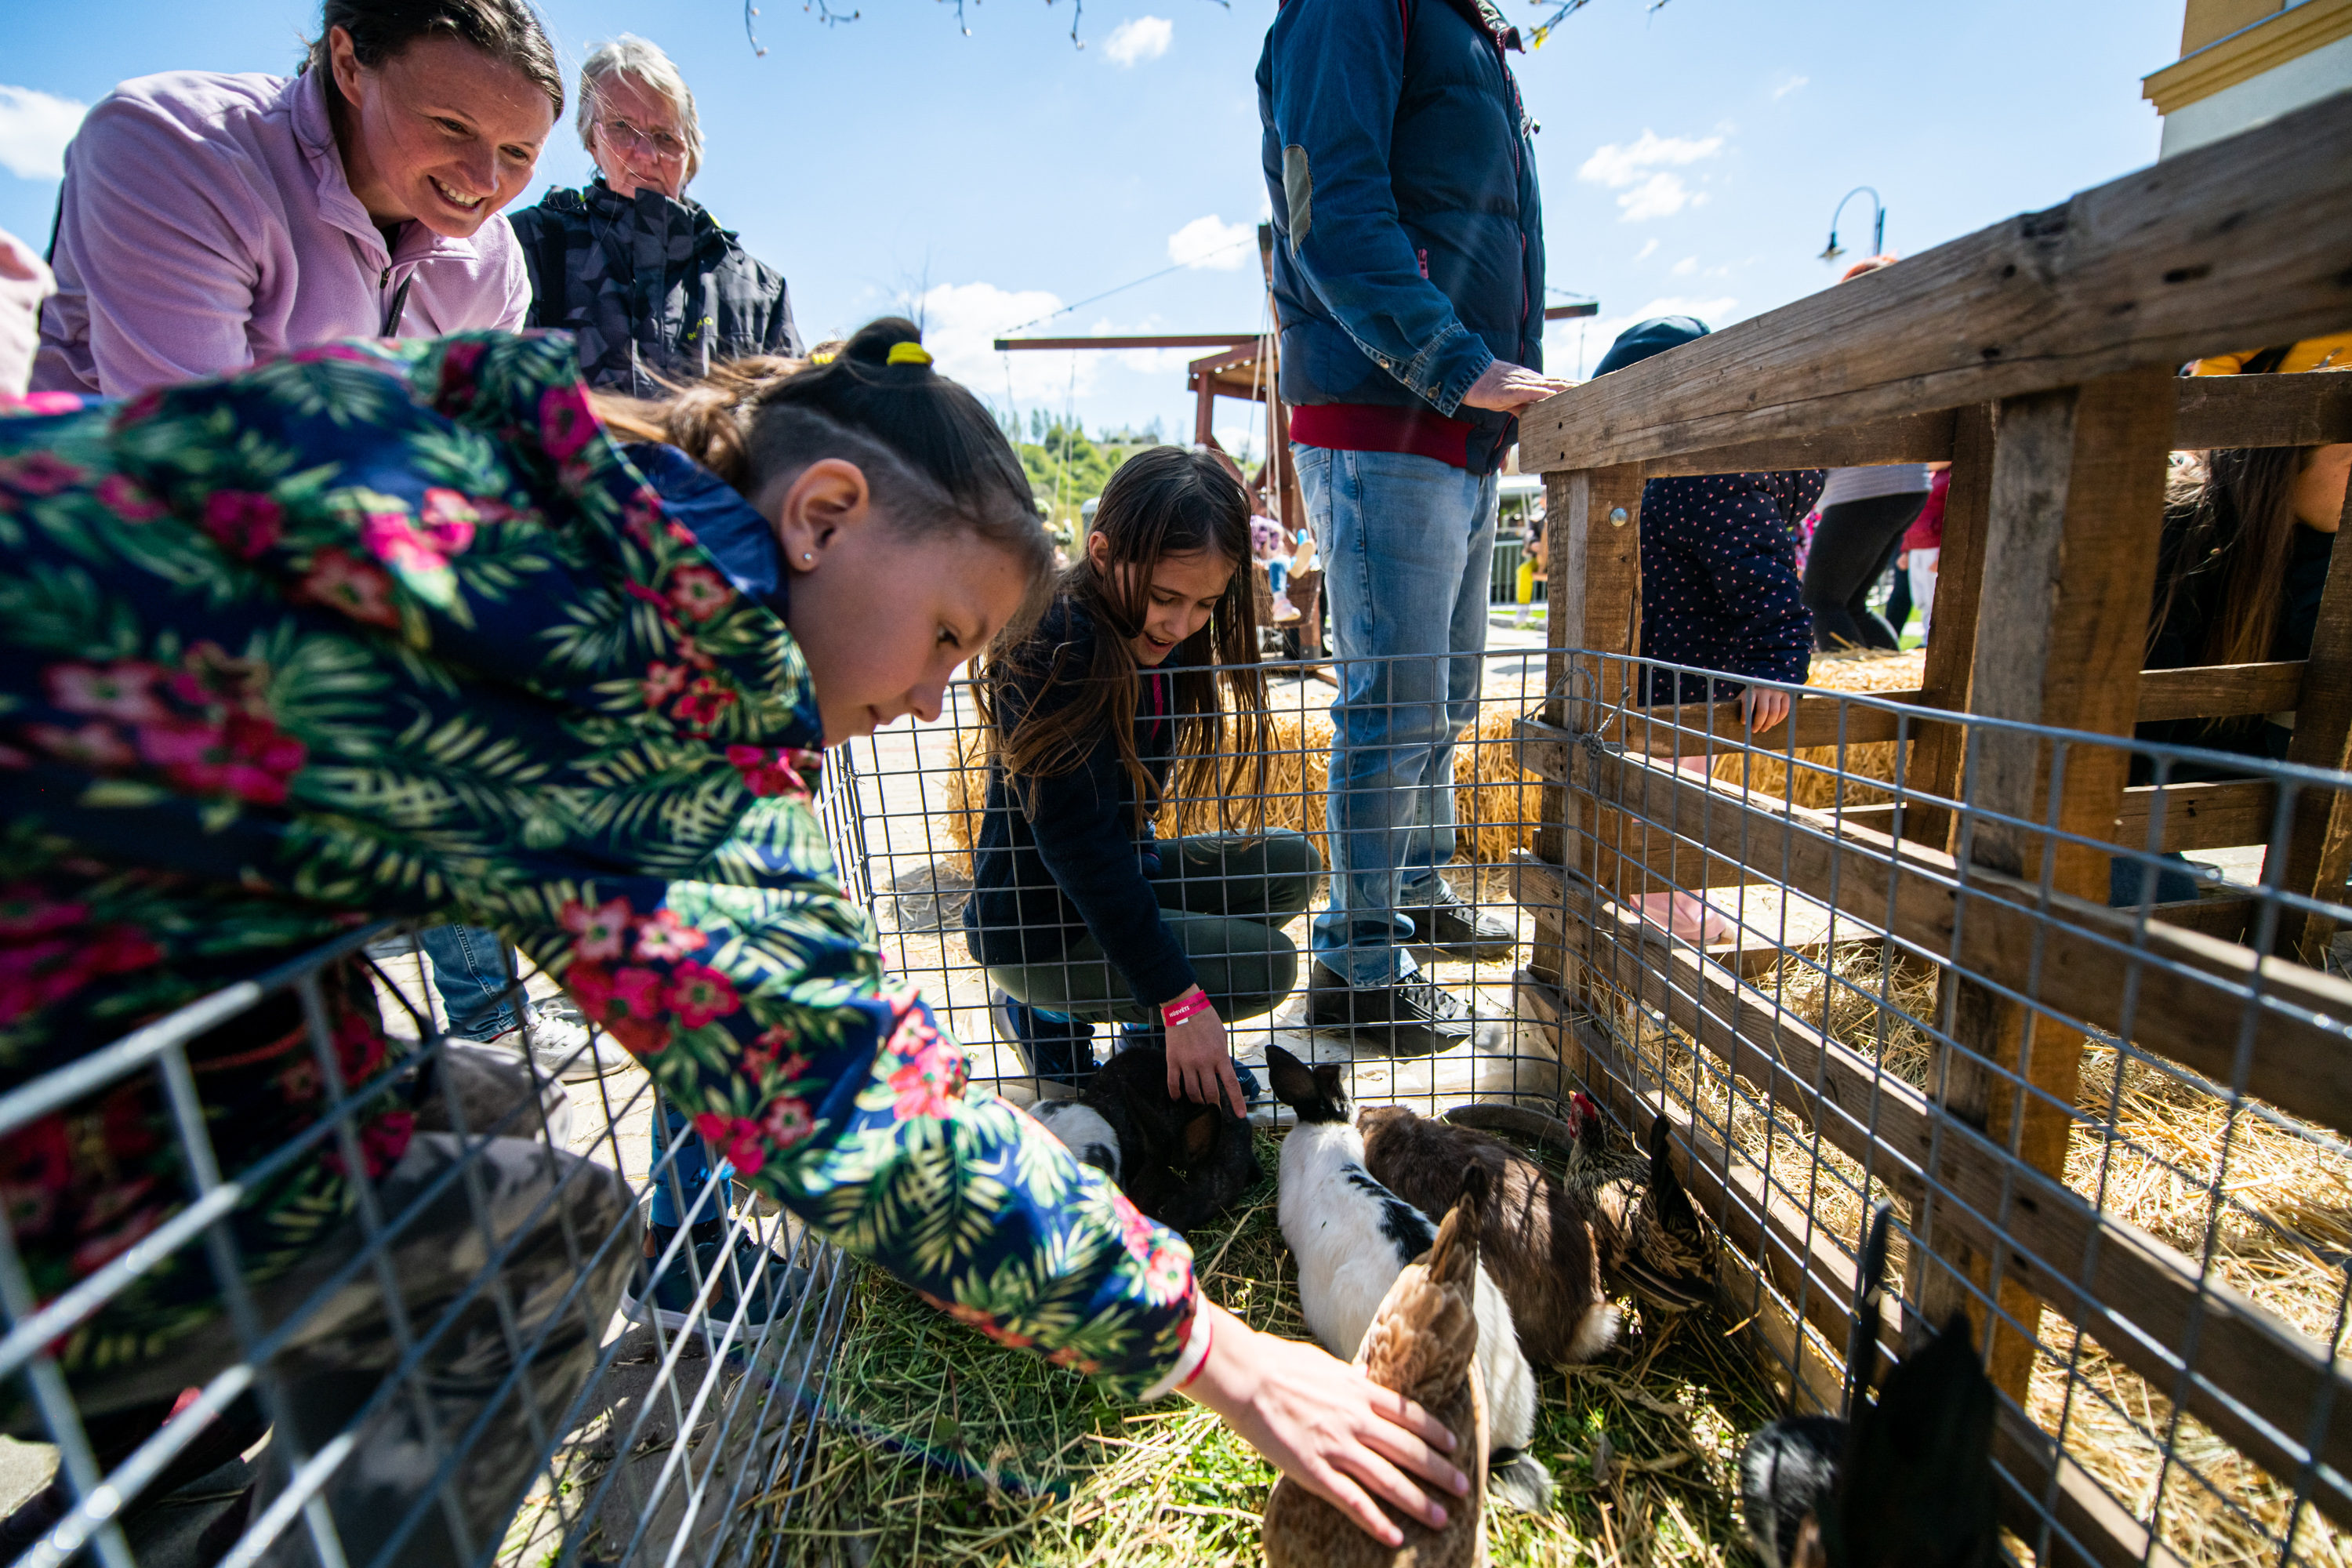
2245	61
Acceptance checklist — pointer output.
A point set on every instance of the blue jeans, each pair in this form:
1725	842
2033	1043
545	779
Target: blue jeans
1408	543
471	972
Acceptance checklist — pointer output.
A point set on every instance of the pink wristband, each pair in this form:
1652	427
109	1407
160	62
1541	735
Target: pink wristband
1205	1349
1174	1013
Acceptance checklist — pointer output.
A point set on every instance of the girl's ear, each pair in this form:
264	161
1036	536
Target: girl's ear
816	507
1098	550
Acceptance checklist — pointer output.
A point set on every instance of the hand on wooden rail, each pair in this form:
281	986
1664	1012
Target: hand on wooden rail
1507	388
1763	709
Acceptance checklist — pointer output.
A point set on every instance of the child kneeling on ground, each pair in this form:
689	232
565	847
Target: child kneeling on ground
1079	913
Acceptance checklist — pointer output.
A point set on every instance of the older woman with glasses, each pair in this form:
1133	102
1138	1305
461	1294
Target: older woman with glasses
645	280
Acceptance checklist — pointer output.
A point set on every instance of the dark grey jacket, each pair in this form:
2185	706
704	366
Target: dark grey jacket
648	286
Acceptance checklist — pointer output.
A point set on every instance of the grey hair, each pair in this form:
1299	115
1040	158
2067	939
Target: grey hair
641	61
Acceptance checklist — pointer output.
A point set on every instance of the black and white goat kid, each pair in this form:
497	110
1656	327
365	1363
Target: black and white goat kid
1352	1238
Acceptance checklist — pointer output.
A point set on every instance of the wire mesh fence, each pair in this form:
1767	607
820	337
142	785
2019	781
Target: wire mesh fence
2113	1128
472	1357
2086	1066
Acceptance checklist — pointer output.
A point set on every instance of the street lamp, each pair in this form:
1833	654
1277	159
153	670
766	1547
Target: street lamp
1877	226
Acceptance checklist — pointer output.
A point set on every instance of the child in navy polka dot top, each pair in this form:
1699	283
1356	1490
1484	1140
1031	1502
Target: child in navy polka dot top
1719	587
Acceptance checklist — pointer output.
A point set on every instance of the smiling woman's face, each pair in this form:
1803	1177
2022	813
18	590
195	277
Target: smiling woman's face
440	134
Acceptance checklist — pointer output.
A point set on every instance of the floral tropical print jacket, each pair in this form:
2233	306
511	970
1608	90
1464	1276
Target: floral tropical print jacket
398	631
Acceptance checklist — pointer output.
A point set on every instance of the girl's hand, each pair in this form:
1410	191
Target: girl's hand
1200	1068
1328	1426
1762	708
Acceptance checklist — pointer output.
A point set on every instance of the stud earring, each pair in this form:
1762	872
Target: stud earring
808	554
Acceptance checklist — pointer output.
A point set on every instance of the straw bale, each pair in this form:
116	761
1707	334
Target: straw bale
1495	803
1862	670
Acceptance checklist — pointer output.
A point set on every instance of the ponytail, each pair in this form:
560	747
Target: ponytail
933	456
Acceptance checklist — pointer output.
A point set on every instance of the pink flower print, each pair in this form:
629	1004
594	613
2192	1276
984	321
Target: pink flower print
704	701
97	1251
699	592
1135	1232
123	690
767	773
342	581
601	929
627	1001
639	515
245	755
393	536
665	937
736	1139
129	500
120	950
94	745
35	1173
788	1121
930	1080
27	910
300	1081
699	994
662	682
245	523
1167	1275
47	403
38	473
459	364
566	423
450	519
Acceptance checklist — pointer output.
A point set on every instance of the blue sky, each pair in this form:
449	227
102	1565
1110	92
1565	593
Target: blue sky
1690	156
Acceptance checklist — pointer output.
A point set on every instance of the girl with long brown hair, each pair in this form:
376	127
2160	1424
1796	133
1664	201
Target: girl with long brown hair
1139	688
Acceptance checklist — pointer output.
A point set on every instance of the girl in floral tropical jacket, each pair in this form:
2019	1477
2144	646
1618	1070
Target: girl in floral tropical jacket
398	629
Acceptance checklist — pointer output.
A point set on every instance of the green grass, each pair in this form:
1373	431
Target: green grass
944	1448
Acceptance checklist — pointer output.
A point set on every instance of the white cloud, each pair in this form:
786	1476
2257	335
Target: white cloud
1618	167
1685	267
1790	86
1242	442
1660	195
34	130
1639	170
1139	39
1649	248
961	324
1600	334
1213	243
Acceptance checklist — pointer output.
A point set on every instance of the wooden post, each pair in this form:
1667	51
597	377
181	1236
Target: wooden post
1595	539
1937	754
2319	846
2075	515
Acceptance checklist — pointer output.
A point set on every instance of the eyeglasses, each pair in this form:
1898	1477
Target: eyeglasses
627	138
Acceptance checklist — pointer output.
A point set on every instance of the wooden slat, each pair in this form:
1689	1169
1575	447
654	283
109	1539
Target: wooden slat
1914	439
2192	991
2129	1292
2213	411
2200	816
2240	242
2224	919
2319	847
1941	756
2265	410
1696	729
2219	690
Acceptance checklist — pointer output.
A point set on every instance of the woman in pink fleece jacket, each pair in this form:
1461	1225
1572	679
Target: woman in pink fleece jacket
209	220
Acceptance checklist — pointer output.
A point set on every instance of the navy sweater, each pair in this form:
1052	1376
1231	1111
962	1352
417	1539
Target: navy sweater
1064	858
1719	587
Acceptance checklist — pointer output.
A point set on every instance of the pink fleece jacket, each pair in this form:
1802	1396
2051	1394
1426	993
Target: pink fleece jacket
207	223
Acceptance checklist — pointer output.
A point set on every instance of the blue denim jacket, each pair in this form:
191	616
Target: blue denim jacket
1402	168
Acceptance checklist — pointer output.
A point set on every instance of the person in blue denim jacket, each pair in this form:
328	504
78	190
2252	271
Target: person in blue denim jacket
1409	280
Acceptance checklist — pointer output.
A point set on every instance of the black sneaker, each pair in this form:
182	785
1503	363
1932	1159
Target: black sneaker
1413	1017
1457	929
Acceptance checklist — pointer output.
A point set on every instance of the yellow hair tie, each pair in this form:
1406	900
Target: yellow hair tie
823	356
909	353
